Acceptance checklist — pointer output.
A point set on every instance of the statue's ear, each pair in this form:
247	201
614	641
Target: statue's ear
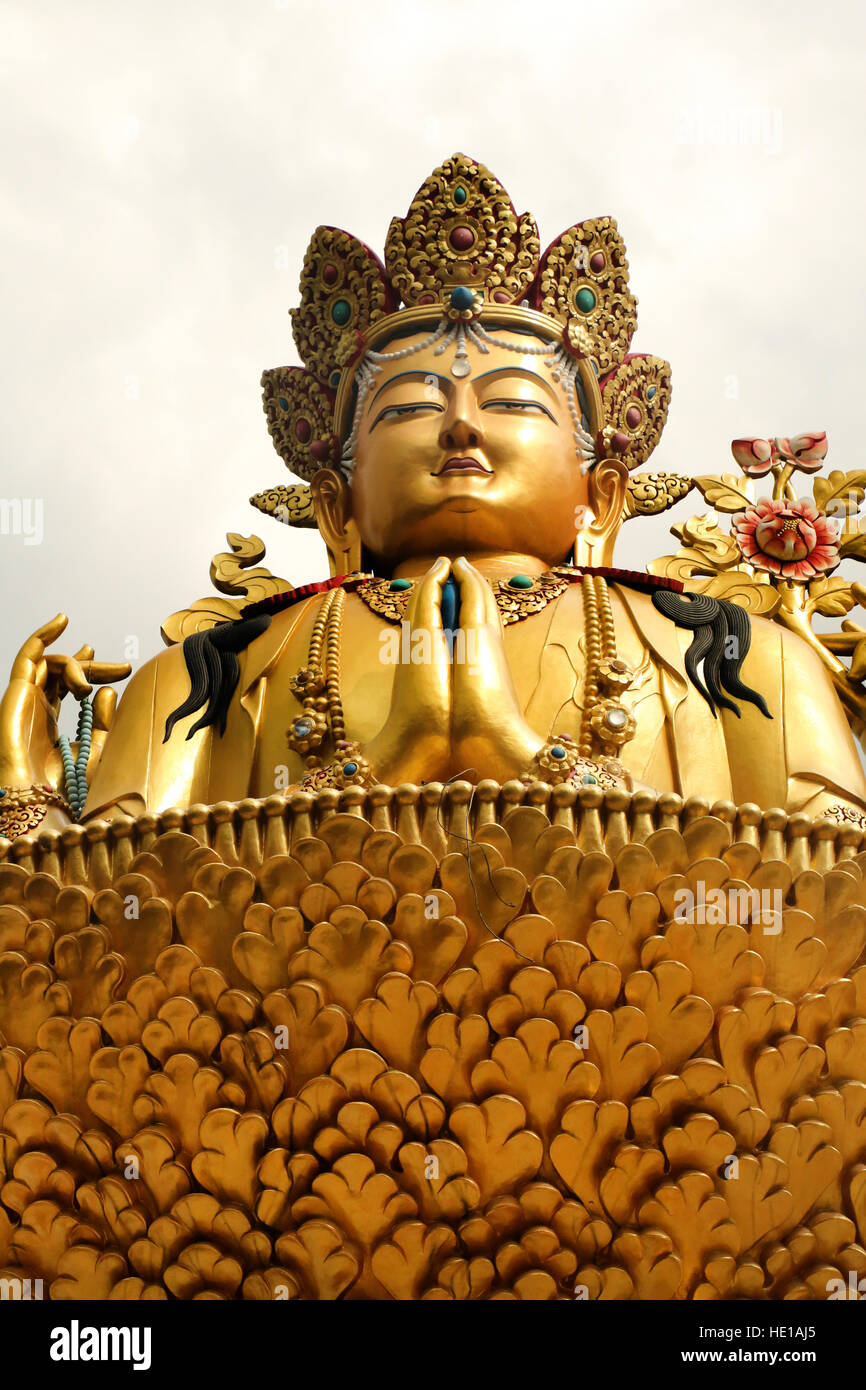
608	482
332	498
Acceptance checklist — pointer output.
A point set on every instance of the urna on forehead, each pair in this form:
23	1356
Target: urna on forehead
459	268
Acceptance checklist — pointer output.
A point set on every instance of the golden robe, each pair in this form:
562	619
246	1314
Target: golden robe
803	759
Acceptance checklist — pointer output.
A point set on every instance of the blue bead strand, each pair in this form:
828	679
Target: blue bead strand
75	769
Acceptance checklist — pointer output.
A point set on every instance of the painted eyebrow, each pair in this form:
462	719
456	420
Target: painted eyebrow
521	371
418	375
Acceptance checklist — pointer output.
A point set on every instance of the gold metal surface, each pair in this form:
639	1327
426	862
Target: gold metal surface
438	1123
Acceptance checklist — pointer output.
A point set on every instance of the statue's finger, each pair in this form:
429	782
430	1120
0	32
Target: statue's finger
75	679
33	649
472	597
99	671
50	631
491	608
85	654
104	705
93	671
424	609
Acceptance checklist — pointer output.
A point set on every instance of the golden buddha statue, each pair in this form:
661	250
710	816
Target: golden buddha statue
480	922
468	457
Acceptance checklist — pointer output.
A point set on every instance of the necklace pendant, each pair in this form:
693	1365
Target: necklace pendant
307	683
615	675
388	598
612	724
307	731
521	596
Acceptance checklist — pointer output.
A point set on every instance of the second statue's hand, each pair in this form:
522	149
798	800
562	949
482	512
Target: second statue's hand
488	727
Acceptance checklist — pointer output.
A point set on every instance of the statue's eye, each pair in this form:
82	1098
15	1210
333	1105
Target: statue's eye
519	407
398	412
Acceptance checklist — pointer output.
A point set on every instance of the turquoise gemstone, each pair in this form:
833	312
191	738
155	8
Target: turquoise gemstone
350	769
397	585
303	727
520	581
588	781
335	380
2	792
585	300
284	403
460	195
650	392
341	312
557	752
462	298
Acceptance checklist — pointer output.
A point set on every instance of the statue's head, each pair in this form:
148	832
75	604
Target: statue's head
497	410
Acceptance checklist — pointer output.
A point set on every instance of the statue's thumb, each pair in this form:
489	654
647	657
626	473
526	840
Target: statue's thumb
104	705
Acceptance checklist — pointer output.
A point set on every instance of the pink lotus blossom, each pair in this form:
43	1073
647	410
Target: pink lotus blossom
791	539
755	456
806	452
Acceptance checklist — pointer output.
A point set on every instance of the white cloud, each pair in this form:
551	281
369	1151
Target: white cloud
156	155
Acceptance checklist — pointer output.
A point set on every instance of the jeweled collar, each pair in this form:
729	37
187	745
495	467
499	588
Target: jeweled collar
516	597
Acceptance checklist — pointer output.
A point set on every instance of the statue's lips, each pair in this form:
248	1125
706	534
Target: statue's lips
462	465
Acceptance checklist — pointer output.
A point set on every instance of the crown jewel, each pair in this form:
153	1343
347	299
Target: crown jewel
461	262
462	230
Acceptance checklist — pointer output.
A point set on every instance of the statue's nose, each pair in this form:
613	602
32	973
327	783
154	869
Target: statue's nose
461	426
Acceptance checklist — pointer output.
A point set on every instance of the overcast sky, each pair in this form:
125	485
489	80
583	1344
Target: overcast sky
165	162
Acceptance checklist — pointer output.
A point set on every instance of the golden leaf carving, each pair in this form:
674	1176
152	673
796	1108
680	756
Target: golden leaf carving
438	1123
678	1021
231	1145
581	1151
394	1022
316	1032
318	1254
262	952
544	1072
405	1264
365	1203
29	994
655	1269
502	1153
726	494
434	953
60	1067
696	1218
454	1046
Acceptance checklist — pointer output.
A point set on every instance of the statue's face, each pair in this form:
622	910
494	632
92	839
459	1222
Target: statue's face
484	463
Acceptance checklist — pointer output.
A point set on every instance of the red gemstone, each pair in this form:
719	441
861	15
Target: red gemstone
303	431
462	238
596	262
632	417
501	297
329	274
620	442
426	299
321	450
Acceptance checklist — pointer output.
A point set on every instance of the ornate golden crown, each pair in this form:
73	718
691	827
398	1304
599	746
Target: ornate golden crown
461	259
